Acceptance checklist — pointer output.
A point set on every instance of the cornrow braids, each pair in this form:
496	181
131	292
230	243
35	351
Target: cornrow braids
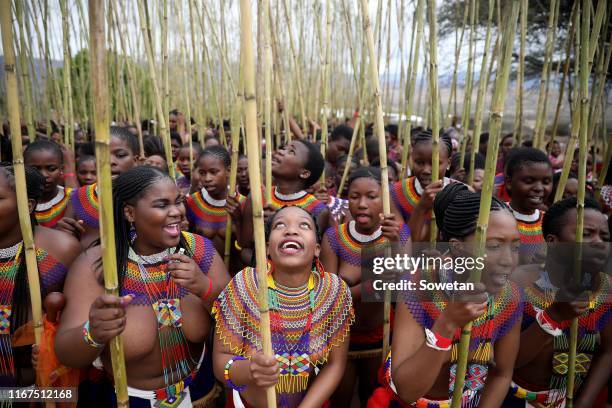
365	172
219	152
554	218
153	146
315	163
41	145
268	226
426	136
128	188
128	138
456	209
520	156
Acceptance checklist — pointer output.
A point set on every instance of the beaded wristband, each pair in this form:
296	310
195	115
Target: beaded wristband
226	375
209	291
87	337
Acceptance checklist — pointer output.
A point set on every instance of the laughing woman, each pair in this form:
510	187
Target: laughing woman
346	250
310	314
167	282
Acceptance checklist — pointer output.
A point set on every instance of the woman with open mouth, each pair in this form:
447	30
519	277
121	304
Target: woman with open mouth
428	324
346	250
310	316
168	280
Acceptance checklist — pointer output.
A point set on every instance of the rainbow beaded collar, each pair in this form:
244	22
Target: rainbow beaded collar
85	205
349	247
49	213
206	212
300	199
237	314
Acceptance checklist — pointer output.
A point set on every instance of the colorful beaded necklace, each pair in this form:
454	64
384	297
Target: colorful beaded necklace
529	226
503	311
85	204
49	213
9	265
406	195
291	311
164	296
540	296
357	249
300	199
206	212
324	305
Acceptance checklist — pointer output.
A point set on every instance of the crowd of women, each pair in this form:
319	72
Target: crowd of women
190	323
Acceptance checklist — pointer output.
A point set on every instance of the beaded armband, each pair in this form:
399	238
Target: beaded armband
226	375
87	337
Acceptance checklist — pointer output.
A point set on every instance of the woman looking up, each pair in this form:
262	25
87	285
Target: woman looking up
310	314
167	282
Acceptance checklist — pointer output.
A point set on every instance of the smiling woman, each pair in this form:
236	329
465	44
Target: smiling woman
310	312
173	274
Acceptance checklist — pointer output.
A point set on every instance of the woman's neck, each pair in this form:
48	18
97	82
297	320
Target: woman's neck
520	209
46	197
366	231
288	186
221	195
10	239
291	278
145	249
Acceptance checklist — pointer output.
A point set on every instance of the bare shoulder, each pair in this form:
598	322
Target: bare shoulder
62	246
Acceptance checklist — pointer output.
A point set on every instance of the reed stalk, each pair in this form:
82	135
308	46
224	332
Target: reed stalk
582	158
411	82
435	107
253	148
130	78
379	129
69	117
107	232
495	127
566	65
24	56
467	96
12	96
540	118
325	68
480	98
458	47
161	114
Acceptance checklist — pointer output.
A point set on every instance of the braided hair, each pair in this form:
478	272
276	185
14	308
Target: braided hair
127	137
456	209
218	152
128	188
365	172
426	136
554	218
41	145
